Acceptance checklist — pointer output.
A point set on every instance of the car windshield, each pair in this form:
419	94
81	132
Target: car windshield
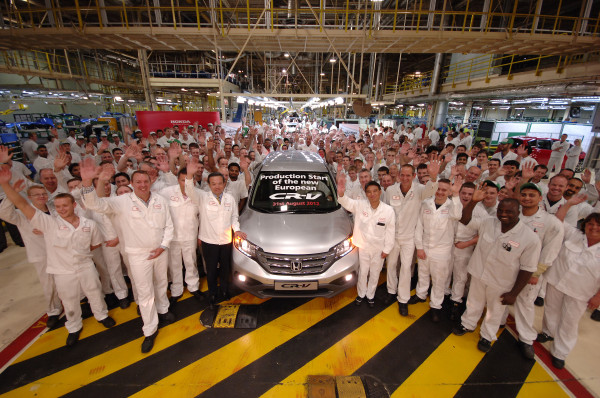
544	144
294	192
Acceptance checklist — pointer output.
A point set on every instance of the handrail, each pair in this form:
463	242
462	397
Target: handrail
483	66
81	16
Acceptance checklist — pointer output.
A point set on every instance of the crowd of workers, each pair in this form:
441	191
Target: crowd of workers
160	211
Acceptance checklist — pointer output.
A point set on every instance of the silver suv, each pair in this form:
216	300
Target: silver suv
299	239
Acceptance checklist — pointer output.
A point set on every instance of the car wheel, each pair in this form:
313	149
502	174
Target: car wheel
579	168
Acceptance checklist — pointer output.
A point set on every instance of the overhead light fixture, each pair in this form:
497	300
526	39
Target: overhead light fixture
332	60
286	55
183	89
322	74
283	71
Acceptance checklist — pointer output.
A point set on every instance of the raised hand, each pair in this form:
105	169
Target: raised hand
89	148
193	165
527	170
174	150
104	146
19	185
88	171
479	194
5	174
586	176
433	168
405	148
522	151
577	199
162	163
456	185
4	154
105	174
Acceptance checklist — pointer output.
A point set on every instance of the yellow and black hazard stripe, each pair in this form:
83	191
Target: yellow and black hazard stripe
288	348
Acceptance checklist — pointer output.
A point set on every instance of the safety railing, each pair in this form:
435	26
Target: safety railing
486	66
310	14
83	66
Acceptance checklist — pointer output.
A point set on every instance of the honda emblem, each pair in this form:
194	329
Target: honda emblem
296	265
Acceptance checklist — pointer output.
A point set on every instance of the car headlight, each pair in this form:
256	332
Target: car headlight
344	247
245	246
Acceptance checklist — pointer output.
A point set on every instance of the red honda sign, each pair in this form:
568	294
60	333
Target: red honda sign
154	120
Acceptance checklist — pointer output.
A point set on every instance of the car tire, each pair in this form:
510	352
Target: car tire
579	168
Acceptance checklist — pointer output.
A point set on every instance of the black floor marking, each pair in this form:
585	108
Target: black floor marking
403	355
141	374
284	360
43	365
501	373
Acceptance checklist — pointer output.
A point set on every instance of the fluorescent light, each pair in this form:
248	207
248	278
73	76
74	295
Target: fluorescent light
332	60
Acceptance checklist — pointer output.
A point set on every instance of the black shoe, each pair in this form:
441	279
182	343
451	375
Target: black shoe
358	300
435	315
371	302
484	345
124	303
539	302
415	299
73	338
390	298
173	299
455	311
557	363
52	321
543	337
595	315
198	295
461	330
527	350
148	343
111	300
403	309
108	322
167	317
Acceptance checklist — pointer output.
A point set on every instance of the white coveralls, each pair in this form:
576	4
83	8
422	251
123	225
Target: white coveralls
406	208
35	247
435	235
458	274
184	214
572	157
373	234
550	231
494	266
572	281
557	156
70	261
145	227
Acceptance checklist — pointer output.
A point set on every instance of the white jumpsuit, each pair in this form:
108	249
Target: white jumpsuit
145	226
184	214
435	235
494	266
70	261
373	234
572	281
406	208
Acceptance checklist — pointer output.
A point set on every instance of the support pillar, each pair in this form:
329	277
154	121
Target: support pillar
441	112
144	71
468	109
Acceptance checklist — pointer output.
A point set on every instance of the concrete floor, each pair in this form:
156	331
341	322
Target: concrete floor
22	304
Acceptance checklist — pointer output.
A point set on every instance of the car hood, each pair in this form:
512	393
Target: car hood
300	233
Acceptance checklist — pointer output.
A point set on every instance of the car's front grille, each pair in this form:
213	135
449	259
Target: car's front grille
295	264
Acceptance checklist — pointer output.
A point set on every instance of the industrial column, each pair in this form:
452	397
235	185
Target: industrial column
145	72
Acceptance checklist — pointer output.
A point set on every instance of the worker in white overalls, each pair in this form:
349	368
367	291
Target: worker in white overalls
434	239
504	259
405	198
374	228
573	284
184	214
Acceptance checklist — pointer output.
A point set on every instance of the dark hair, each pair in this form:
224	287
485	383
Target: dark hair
592	217
64	196
74	179
233	164
117	149
462	155
431	148
41	147
181	171
512	163
193	145
72	166
495	160
540	166
384	169
468	185
371	184
123	175
215	174
445	181
421	166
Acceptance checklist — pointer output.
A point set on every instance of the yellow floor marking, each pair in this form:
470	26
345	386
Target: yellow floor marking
350	387
351	352
54	339
204	373
445	370
102	365
226	316
540	383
